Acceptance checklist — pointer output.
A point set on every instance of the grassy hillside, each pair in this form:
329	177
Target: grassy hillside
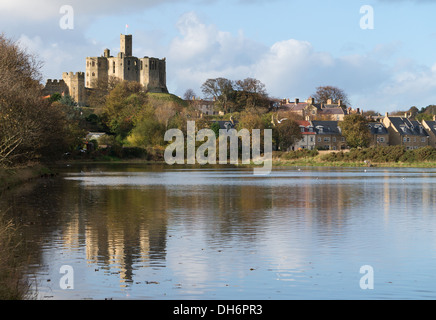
156	98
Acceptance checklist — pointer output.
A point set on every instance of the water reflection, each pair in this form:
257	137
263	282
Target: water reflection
152	233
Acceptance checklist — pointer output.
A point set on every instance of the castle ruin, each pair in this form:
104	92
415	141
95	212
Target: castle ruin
149	72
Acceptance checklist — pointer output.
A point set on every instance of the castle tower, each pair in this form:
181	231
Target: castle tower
96	71
126	45
76	86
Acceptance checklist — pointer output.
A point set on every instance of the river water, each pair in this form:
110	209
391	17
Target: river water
161	233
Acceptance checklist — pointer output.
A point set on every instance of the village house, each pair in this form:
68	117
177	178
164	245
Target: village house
309	110
204	107
328	136
430	127
379	134
406	132
308	140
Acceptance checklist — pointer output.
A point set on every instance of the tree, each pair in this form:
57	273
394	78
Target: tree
251	93
219	89
31	128
286	130
123	105
189	95
324	93
355	130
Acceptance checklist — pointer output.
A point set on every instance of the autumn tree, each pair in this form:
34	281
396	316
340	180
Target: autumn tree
122	106
237	96
286	130
324	93
31	128
219	89
355	129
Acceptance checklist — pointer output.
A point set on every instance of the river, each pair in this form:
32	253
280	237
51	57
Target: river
159	233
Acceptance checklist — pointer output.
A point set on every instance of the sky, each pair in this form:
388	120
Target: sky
382	53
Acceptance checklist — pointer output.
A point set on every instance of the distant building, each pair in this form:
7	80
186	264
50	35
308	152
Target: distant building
430	127
309	110
328	136
379	134
309	137
149	72
406	132
204	107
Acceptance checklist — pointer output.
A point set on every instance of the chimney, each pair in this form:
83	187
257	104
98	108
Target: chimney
329	101
434	117
297	101
387	114
339	103
406	115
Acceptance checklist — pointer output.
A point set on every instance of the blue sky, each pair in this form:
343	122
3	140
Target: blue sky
291	46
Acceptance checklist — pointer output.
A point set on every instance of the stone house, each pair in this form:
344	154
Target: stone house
328	135
430	127
406	132
309	110
379	134
309	137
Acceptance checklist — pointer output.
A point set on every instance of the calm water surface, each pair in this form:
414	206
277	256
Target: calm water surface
149	232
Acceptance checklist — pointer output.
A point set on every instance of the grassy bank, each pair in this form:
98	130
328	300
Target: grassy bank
12	177
393	156
12	261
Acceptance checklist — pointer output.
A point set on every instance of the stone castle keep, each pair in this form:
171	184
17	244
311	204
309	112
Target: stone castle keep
150	72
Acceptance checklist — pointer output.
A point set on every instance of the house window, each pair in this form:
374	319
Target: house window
327	139
343	139
319	139
334	139
382	139
422	139
408	139
311	139
414	140
404	139
327	147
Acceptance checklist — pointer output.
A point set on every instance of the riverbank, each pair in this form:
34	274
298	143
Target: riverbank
12	177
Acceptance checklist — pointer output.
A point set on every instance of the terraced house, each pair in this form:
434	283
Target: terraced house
430	126
379	134
328	136
406	132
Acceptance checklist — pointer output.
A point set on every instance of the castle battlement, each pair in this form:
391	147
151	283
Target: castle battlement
55	82
73	75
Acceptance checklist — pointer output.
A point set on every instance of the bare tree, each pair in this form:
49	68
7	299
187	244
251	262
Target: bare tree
323	94
29	125
189	95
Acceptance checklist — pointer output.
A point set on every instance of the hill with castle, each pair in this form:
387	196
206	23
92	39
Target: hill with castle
149	72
